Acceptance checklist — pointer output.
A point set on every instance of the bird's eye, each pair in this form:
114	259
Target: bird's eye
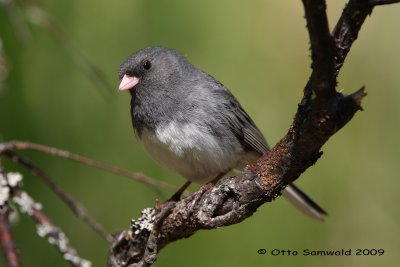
147	65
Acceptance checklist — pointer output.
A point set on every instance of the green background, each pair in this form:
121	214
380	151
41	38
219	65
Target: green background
259	50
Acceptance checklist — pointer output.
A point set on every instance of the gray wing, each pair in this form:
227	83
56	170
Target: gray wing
228	111
242	125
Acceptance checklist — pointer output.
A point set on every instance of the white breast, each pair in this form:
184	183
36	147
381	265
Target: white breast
190	150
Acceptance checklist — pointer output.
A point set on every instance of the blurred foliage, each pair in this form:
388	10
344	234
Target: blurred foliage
53	95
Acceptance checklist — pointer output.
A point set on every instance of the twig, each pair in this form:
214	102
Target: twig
17	20
43	19
45	226
151	250
21	145
3	67
40	17
48	230
323	80
6	239
350	22
145	230
7	243
74	205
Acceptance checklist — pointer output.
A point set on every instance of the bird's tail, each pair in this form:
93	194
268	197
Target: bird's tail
303	202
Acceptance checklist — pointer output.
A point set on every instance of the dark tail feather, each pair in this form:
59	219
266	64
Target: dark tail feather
304	203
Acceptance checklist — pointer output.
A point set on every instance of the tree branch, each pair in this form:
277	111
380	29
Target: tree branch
317	119
10	252
47	229
21	145
74	205
10	192
347	29
6	239
322	79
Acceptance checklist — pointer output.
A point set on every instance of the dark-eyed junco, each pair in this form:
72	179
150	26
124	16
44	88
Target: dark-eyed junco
190	123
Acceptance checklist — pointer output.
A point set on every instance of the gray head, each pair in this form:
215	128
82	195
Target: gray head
152	67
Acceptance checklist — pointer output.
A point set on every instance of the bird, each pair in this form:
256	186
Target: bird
191	124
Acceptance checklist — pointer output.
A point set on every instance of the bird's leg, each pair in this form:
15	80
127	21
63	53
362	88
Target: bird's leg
217	178
178	194
211	183
205	187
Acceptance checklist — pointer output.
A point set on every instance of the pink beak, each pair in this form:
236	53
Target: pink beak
128	82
